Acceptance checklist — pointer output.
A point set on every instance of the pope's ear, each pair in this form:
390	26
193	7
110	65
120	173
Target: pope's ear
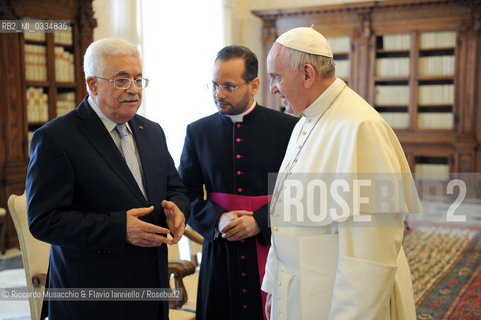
92	85
309	75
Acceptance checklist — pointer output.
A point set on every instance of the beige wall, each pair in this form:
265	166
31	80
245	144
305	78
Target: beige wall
116	19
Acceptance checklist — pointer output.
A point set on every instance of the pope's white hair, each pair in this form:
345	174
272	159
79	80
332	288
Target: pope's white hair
325	66
98	51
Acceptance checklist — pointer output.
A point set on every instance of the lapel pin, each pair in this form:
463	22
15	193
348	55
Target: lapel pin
141	127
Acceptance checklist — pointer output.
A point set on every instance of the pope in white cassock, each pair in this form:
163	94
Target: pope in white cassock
340	197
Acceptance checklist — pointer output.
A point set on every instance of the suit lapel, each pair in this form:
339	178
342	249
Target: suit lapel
95	132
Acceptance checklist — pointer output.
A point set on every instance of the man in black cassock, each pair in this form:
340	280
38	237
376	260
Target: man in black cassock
232	152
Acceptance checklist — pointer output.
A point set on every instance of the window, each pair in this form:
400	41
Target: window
179	42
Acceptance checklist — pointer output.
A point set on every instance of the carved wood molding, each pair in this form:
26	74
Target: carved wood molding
87	21
360	7
364	29
269	31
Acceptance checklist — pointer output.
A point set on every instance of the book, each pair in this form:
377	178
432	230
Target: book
37	105
391	95
65	103
343	68
397	41
436	65
35	62
438	94
392	67
436	120
64	65
443	39
431	171
340	45
397	120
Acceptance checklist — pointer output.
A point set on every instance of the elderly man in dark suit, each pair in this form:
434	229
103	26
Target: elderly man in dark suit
103	190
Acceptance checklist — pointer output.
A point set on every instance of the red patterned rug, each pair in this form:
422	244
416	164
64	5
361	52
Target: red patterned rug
445	262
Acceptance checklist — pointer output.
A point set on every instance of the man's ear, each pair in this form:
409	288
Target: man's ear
254	85
92	85
309	75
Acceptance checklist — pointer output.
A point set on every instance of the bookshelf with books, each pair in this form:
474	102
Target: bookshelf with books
417	62
391	78
42	78
341	47
436	76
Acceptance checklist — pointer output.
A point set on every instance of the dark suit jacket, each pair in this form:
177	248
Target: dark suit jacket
78	191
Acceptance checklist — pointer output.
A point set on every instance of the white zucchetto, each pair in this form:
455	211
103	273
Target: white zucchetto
306	40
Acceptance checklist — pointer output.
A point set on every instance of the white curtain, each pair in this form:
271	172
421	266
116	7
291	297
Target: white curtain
179	40
178	43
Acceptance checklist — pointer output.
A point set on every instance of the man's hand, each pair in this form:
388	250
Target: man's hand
238	225
141	233
175	220
226	218
268	306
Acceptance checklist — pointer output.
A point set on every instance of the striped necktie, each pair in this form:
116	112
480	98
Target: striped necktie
129	154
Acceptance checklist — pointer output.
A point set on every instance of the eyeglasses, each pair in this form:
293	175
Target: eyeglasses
124	83
215	87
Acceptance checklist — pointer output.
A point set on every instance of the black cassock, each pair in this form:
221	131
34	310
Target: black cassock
231	158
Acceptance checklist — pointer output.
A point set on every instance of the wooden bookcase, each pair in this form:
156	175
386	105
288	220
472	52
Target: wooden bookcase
438	134
17	121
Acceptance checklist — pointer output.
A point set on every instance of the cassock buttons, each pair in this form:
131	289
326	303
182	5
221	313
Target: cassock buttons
239	189
238	125
242	257
238	156
244	306
242	241
244	290
243	274
238	140
239	173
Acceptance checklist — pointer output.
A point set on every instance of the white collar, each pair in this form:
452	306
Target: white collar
240	117
108	123
323	102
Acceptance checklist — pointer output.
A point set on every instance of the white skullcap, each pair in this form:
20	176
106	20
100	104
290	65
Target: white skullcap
306	40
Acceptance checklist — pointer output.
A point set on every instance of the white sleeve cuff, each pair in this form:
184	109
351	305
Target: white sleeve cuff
268	282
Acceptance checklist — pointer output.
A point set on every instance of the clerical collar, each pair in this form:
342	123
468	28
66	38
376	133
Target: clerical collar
240	117
323	102
108	123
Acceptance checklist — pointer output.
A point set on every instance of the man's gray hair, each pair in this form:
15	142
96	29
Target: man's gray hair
97	51
325	66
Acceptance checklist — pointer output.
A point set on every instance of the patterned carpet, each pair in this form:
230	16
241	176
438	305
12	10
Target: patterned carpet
445	262
11	263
